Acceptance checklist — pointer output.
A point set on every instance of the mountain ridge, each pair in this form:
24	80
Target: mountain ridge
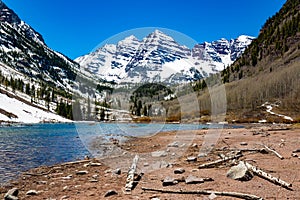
143	60
42	77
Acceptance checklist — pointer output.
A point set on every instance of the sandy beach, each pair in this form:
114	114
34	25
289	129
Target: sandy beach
93	178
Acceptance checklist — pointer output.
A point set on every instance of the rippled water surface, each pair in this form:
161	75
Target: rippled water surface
27	146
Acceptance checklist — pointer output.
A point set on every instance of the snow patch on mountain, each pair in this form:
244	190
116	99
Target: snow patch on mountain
159	58
25	113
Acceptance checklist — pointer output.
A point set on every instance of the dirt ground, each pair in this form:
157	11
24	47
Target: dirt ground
171	150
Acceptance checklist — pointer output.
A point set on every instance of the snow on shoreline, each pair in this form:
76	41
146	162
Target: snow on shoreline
26	113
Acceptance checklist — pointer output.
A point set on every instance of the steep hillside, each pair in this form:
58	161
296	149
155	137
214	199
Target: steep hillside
263	85
277	44
269	69
24	50
38	76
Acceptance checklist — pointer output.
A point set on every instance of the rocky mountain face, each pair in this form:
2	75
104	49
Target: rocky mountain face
23	53
159	58
34	75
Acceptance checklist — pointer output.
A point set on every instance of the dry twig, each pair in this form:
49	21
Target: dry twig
273	151
206	192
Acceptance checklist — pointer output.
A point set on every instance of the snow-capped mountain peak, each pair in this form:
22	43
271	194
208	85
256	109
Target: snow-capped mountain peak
159	58
10	18
128	40
157	35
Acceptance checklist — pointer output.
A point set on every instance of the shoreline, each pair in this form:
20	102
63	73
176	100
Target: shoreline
64	180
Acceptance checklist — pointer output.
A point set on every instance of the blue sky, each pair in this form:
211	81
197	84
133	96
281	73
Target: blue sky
75	28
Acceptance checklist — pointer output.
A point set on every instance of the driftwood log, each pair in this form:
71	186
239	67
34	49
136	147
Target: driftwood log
268	177
254	150
220	161
130	176
75	162
206	192
39	174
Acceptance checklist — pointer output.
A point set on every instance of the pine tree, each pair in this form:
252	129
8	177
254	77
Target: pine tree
139	108
145	112
77	112
27	89
102	114
89	117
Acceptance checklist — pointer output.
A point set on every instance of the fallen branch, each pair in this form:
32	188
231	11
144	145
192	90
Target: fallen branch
268	177
206	192
130	176
75	162
279	129
274	152
216	162
262	150
39	174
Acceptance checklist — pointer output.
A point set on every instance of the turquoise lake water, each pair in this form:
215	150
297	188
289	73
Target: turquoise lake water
23	147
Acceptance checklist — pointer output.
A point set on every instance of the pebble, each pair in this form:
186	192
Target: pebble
179	171
212	196
243	143
93	180
202	155
117	171
67	177
42	182
294	155
95	176
64	197
159	154
32	192
193	180
169	181
81	172
110	193
174	144
191	159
